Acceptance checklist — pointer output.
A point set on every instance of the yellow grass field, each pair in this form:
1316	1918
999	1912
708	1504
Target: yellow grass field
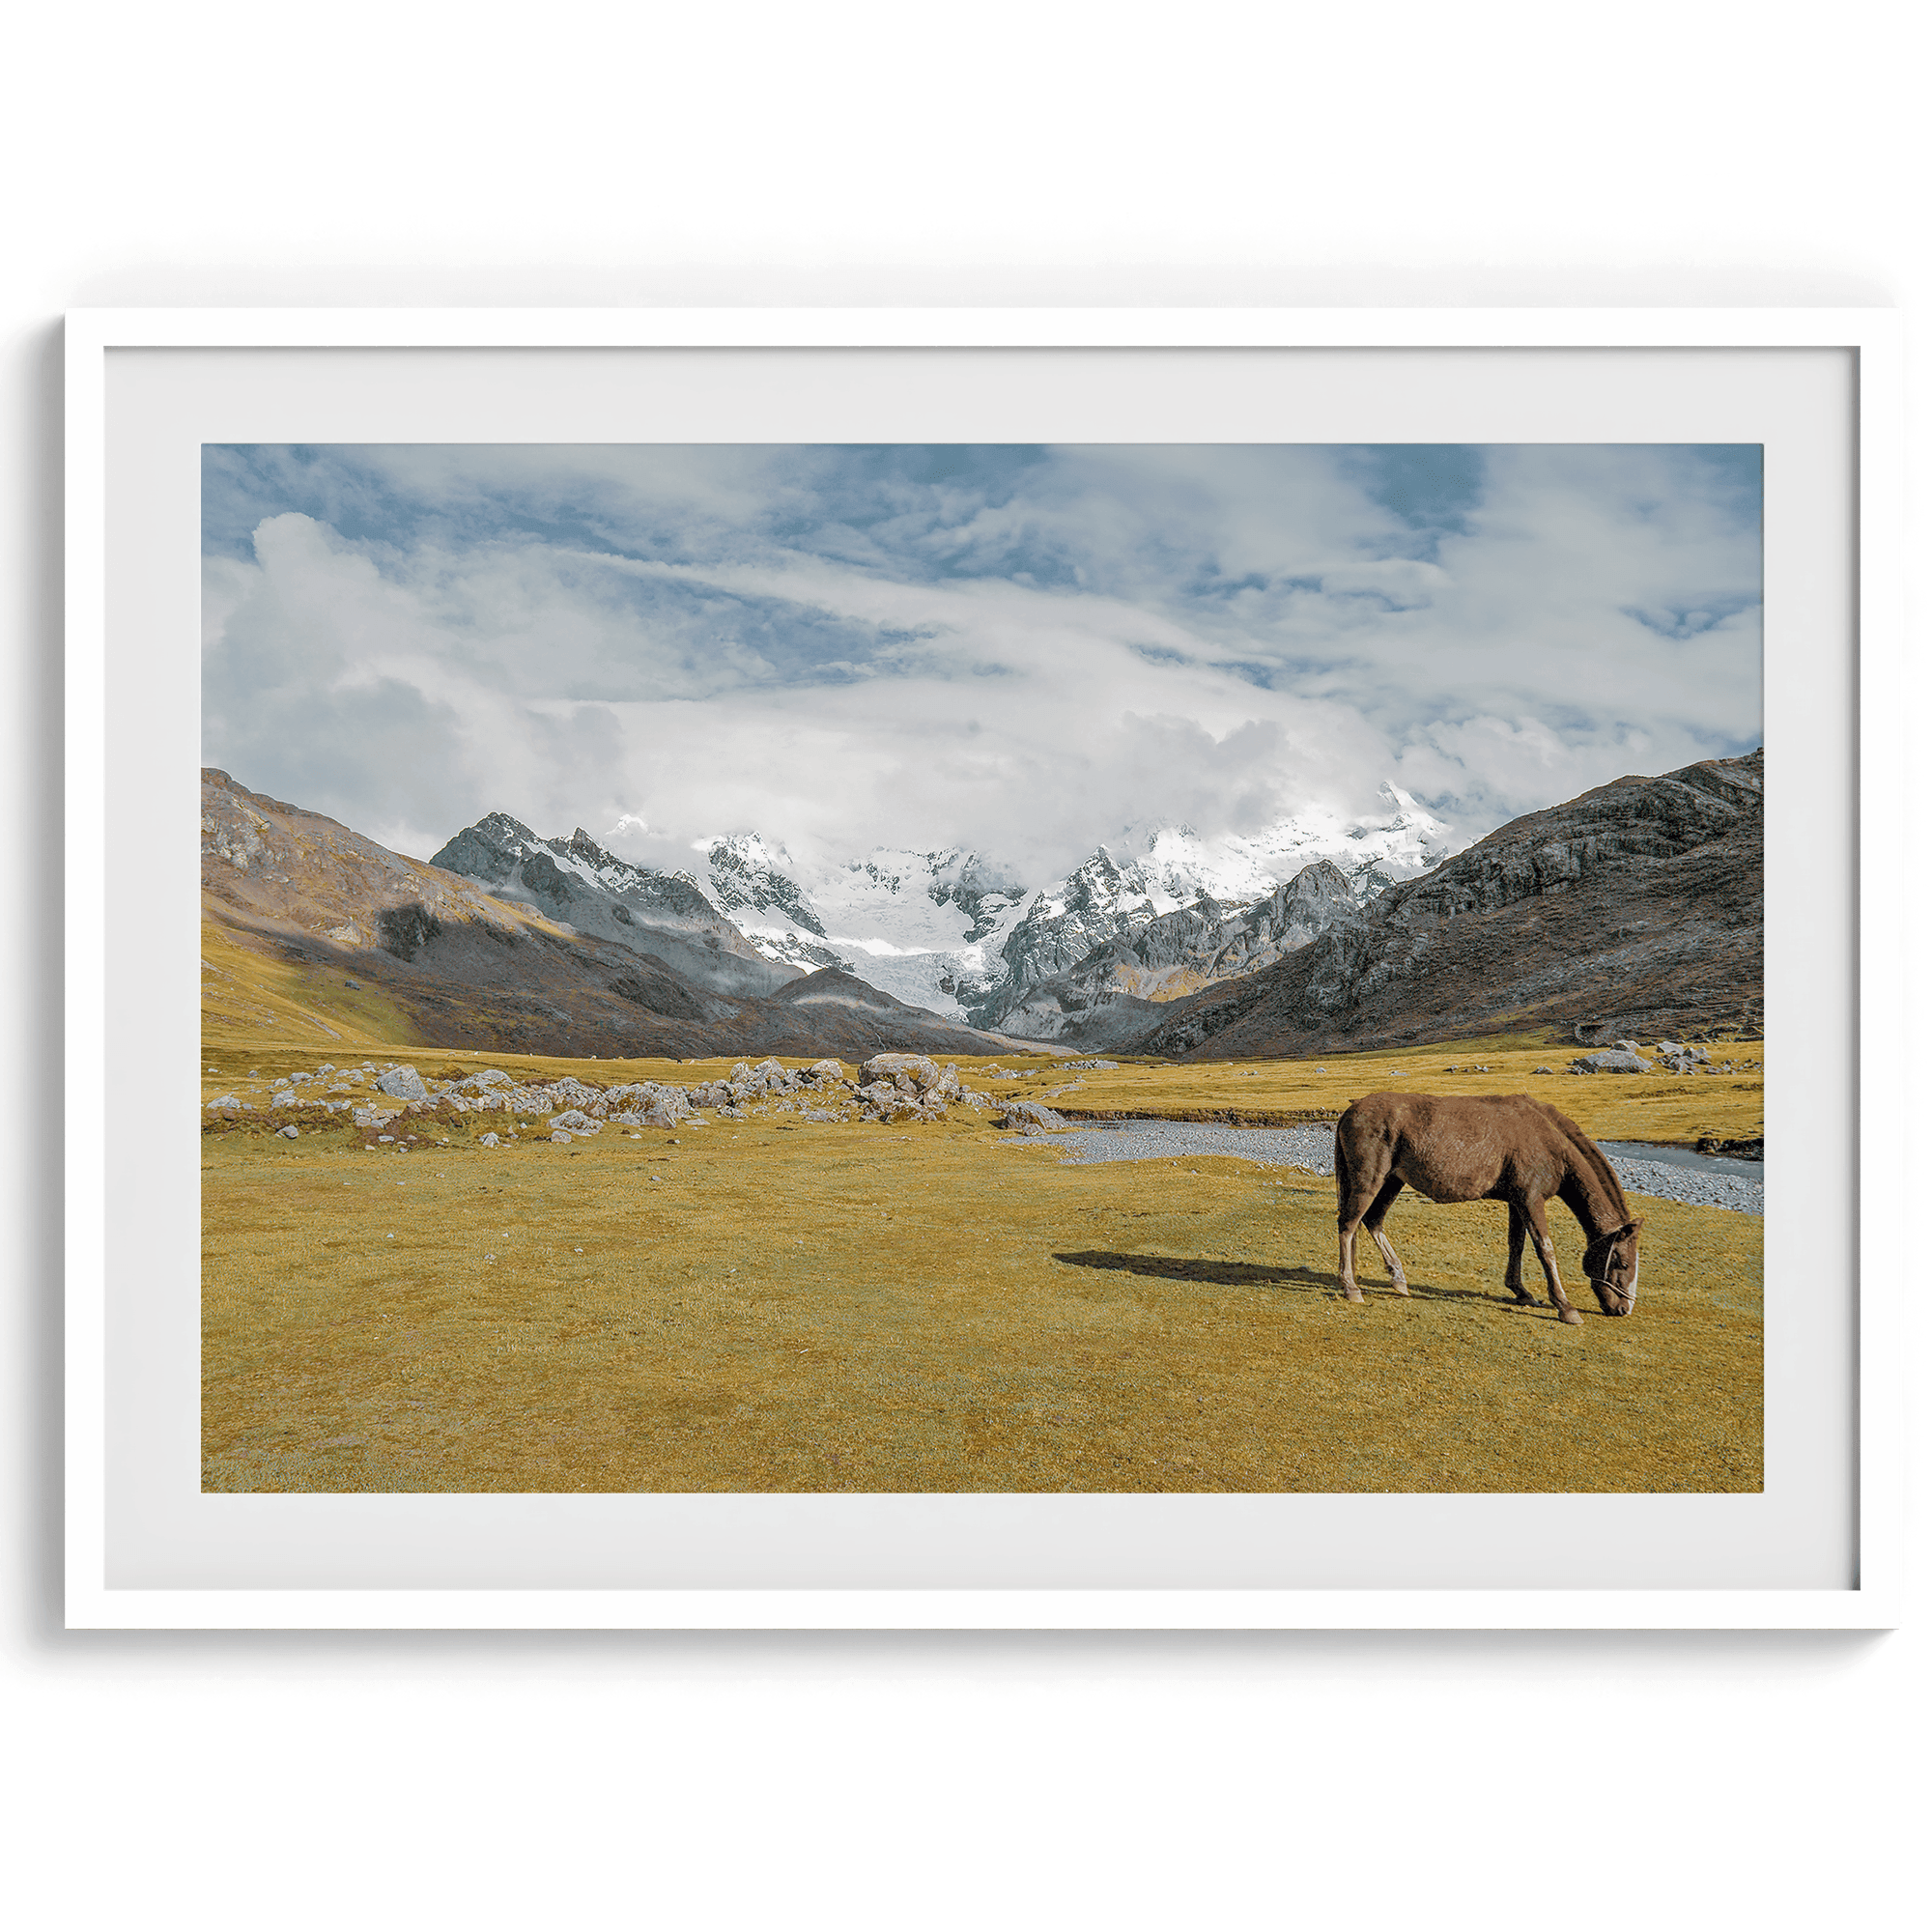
769	1304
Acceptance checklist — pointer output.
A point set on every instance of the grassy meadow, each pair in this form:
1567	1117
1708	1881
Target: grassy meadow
774	1304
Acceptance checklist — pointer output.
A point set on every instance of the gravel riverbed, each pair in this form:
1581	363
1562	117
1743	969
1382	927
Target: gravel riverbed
1312	1148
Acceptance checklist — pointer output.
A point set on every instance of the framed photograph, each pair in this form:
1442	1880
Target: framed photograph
975	968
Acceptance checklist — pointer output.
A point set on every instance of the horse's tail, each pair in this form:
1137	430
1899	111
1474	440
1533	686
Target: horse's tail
1341	1172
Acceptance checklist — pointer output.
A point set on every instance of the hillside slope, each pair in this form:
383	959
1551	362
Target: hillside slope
1640	903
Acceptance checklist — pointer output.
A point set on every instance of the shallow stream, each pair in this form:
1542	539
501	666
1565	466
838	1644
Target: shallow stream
1667	1173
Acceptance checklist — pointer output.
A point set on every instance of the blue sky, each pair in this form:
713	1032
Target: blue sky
1017	648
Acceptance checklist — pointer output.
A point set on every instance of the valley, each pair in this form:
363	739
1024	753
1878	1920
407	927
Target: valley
494	1198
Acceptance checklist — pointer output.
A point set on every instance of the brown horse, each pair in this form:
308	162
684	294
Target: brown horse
1500	1147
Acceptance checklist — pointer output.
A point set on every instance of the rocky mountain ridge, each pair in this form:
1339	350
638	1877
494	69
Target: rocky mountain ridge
1639	903
577	883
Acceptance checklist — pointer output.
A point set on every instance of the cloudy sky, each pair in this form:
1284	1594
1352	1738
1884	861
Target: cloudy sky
1018	649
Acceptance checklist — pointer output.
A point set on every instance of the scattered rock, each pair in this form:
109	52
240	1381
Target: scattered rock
574	1122
560	1135
1681	1059
1612	1059
226	1100
488	1140
1029	1117
289	1133
402	1083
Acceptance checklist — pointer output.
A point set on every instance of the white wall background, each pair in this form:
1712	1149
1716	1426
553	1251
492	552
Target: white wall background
1408	152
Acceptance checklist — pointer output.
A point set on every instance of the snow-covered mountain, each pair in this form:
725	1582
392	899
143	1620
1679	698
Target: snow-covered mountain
915	925
958	934
1370	853
753	881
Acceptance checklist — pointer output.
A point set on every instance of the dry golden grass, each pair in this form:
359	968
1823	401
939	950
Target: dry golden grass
771	1305
254	1001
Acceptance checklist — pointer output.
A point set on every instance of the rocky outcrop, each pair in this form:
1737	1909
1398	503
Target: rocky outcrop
1638	907
1111	994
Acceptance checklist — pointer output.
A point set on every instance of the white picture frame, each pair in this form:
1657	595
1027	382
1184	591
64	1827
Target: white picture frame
1547	349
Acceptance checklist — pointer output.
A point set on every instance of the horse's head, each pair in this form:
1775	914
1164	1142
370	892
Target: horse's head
1611	1263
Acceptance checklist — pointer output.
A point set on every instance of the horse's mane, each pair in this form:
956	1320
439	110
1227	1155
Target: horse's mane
1592	1156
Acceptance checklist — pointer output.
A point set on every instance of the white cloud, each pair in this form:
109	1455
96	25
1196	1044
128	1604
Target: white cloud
1022	661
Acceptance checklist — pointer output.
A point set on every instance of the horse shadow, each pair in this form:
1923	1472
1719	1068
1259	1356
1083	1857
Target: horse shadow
1253	1274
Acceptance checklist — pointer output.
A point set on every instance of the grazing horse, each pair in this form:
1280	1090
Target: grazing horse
1501	1148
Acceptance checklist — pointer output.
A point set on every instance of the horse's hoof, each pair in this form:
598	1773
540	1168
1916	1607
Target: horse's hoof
1353	1294
1571	1318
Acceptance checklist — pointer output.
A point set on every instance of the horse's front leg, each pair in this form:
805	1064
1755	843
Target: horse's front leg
1513	1274
1345	1228
1545	1253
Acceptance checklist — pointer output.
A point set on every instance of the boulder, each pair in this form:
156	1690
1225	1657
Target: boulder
825	1070
1612	1059
909	1071
575	1122
402	1083
1029	1117
226	1100
289	1133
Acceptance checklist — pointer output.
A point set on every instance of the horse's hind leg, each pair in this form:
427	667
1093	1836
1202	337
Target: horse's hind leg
1351	1203
1513	1275
1372	1222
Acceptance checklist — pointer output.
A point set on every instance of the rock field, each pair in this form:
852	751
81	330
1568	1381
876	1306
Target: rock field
395	1098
